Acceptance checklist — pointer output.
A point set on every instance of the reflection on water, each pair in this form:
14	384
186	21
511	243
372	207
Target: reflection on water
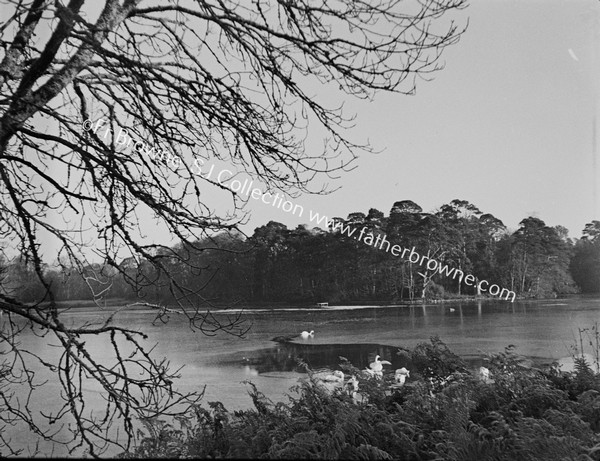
286	356
542	330
292	357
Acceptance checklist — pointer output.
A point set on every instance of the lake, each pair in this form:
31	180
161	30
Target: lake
543	330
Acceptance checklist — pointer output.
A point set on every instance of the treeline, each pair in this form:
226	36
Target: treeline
306	265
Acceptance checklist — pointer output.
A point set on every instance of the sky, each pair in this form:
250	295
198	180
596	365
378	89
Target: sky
508	125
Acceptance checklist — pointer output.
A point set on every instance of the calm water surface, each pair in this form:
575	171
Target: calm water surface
543	330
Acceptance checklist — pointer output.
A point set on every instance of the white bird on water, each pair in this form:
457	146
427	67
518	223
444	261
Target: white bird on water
337	377
376	367
306	334
336	381
352	384
401	375
352	388
484	375
328	380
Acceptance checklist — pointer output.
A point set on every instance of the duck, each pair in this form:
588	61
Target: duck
308	334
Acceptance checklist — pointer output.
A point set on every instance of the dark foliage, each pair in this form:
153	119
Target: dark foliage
585	265
445	413
305	265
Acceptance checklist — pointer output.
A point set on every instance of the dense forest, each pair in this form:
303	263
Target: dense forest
307	265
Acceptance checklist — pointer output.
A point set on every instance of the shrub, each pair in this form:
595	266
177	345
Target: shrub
447	413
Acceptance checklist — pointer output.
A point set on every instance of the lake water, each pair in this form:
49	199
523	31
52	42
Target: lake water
543	330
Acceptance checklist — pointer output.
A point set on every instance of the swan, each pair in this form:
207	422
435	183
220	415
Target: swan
352	388
352	384
374	374
401	375
306	334
377	365
337	377
484	374
329	381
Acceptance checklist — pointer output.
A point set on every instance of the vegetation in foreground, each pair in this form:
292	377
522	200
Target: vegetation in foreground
445	412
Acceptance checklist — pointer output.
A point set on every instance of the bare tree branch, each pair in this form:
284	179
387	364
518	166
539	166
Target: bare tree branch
163	87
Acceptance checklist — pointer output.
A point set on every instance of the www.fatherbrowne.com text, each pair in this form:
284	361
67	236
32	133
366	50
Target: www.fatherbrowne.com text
226	178
380	241
245	188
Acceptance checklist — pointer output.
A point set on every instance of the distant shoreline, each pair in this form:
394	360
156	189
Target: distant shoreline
119	302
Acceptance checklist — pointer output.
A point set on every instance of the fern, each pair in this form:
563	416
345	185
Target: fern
447	413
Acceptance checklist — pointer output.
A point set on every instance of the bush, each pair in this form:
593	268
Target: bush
447	413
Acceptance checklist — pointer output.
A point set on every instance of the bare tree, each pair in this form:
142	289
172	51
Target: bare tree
110	113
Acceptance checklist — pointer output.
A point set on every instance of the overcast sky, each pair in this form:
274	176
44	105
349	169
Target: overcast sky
507	125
